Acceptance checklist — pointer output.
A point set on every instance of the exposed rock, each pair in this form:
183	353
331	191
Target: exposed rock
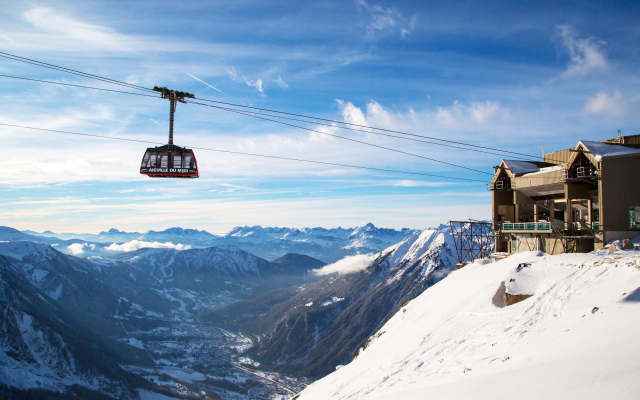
510	299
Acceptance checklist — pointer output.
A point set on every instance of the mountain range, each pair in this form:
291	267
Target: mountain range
328	245
217	319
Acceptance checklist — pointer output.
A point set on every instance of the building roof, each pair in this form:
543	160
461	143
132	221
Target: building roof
524	167
602	150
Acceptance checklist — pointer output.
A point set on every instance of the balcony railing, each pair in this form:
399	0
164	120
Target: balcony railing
545	226
578	173
526	226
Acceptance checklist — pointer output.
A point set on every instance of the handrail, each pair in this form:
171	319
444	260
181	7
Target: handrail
526	226
578	173
548	226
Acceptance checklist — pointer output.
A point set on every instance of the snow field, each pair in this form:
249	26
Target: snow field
452	342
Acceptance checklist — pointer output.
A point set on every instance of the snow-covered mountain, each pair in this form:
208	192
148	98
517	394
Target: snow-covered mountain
351	305
56	310
43	344
328	245
63	236
114	236
574	336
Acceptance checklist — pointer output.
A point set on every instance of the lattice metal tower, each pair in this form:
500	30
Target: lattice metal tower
473	239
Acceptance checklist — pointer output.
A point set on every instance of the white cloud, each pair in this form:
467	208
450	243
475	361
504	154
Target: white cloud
256	84
488	110
586	54
384	19
347	265
281	82
78	248
351	113
232	72
64	27
445	116
603	104
136	244
473	114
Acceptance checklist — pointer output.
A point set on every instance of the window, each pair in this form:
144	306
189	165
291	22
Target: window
145	160
177	160
634	218
163	160
188	161
152	160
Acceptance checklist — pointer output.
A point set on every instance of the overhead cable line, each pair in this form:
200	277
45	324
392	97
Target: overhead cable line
356	130
252	154
257	113
262	116
72	71
369	127
137	87
344	138
81	86
113	81
243	112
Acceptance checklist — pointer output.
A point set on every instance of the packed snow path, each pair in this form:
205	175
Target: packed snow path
452	342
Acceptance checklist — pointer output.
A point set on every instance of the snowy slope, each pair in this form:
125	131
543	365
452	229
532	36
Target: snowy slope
452	342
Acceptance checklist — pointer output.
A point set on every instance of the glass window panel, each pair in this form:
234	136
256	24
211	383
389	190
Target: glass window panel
177	160
163	160
188	161
145	159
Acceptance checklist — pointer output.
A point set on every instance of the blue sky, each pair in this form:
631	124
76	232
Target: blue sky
523	77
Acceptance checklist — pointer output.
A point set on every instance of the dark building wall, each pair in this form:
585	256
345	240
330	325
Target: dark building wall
619	189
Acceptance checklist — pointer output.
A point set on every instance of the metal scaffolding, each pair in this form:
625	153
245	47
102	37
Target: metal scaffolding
473	239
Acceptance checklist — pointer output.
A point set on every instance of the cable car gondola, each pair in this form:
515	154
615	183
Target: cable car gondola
170	161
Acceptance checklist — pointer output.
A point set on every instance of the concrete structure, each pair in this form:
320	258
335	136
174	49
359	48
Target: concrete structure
575	200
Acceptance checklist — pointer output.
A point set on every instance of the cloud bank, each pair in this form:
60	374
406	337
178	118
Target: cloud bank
347	265
137	244
78	248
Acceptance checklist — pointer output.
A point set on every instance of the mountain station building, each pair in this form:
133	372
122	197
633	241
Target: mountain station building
575	200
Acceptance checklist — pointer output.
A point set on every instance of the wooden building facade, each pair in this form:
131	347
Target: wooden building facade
576	200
